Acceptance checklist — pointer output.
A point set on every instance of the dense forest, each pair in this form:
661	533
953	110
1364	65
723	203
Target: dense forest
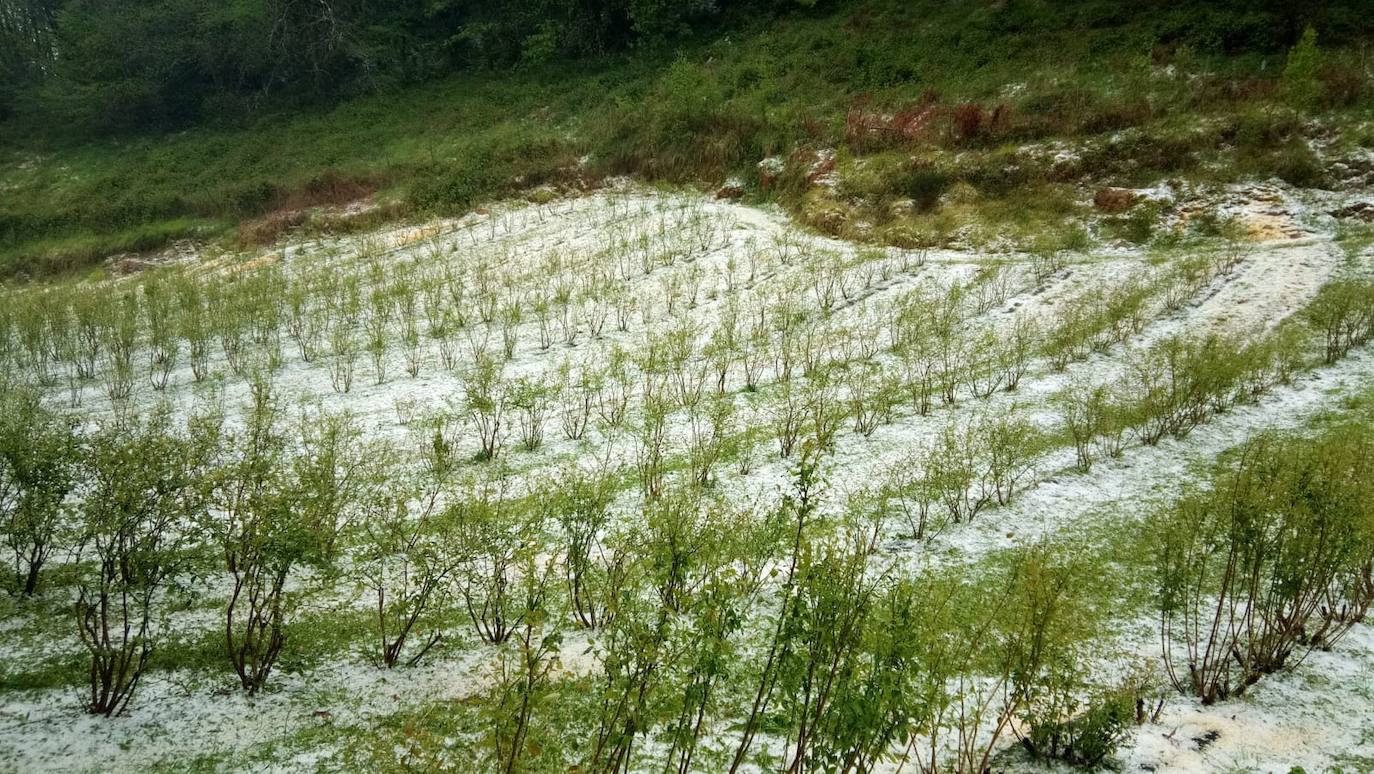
162	63
169	62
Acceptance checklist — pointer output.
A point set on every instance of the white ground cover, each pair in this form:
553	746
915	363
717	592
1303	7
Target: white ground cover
673	262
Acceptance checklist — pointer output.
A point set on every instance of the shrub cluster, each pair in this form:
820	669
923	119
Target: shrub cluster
1269	563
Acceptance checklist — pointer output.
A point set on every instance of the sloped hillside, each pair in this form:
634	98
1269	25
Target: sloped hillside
686	363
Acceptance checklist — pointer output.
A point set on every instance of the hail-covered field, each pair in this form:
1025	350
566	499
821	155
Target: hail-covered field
642	480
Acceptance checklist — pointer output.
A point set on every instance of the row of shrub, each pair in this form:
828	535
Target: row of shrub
849	659
1177	383
777	624
272	509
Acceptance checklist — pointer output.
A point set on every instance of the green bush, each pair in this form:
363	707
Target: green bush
38	468
1297	164
1138	225
923	183
450	189
1081	736
1261	128
1343	312
1299	84
1270	562
137	539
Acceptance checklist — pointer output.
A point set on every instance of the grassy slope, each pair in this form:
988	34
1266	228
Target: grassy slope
711	109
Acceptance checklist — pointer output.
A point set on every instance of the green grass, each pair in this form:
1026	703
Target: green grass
711	109
83	247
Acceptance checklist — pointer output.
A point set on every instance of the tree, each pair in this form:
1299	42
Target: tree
339	470
1084	410
505	579
835	595
795	519
488	399
1011	447
579	503
27	48
1343	311
1299	84
643	648
523	679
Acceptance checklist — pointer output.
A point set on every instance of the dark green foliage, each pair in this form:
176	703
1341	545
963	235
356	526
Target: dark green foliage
1261	129
1296	164
923	184
27	48
1083	739
1138	225
172	62
1300	84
